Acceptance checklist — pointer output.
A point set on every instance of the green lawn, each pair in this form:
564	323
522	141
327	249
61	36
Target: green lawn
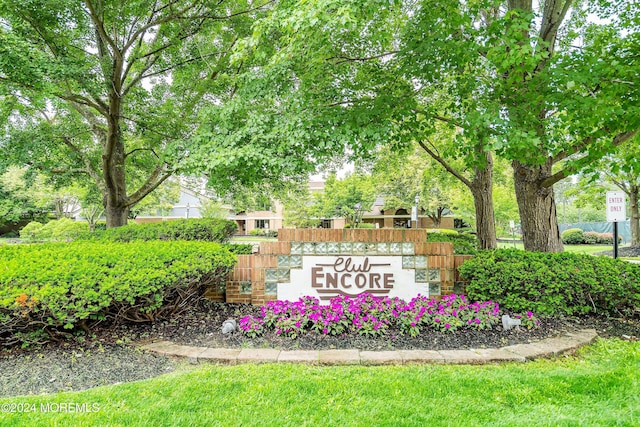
587	249
601	387
252	239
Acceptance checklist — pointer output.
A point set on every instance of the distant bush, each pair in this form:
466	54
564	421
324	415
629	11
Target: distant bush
573	236
553	283
448	231
591	238
263	232
31	230
51	288
238	248
204	229
58	230
463	244
606	238
364	225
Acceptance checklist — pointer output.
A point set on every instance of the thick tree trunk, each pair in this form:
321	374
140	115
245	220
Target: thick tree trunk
485	221
537	208
117	216
482	191
635	215
113	166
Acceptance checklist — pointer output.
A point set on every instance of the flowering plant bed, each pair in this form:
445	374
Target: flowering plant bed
374	316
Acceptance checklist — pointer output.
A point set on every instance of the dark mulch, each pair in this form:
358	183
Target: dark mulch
105	358
202	326
626	251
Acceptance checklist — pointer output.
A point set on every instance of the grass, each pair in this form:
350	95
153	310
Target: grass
587	249
249	239
602	387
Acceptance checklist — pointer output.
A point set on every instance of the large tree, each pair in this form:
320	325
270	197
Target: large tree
548	85
103	87
536	83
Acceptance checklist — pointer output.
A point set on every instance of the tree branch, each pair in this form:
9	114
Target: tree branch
445	164
153	182
88	167
142	149
99	26
562	174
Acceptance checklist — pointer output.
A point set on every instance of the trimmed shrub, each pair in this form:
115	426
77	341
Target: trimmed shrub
31	230
553	283
263	232
53	288
591	237
448	231
238	248
463	244
203	229
365	225
58	230
573	236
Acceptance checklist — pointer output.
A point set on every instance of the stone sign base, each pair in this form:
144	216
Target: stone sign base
329	262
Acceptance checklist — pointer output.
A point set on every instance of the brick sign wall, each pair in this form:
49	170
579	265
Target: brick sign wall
329	262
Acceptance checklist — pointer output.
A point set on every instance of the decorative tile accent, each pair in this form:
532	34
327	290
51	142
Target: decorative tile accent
296	248
270	274
408	262
321	248
421	261
434	274
283	261
358	248
284	275
271	288
308	248
371	248
421	276
346	248
408	248
333	248
395	249
295	261
245	288
434	289
383	248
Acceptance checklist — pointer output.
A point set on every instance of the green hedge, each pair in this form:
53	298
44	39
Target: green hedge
553	283
50	288
573	236
238	248
463	244
205	229
263	232
57	230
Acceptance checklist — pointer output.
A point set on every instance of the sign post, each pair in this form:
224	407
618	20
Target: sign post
512	225
616	211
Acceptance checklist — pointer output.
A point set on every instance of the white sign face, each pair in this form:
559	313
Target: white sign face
616	209
326	277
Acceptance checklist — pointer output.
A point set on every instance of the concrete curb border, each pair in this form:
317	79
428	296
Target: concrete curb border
550	347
